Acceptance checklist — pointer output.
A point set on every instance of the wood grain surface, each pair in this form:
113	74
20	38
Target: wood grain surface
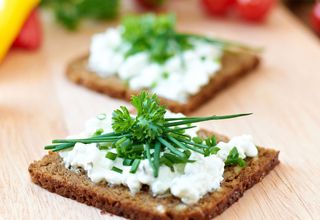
38	103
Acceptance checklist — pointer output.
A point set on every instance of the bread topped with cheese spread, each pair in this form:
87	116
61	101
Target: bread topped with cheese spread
51	174
123	161
184	70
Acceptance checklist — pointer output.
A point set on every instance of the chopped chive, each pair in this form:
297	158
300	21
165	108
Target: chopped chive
135	166
98	132
110	155
116	169
197	140
127	162
167	162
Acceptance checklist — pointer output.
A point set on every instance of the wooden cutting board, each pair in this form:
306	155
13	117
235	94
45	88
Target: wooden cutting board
38	103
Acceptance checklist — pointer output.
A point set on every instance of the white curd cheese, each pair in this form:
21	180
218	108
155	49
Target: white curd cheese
189	182
179	77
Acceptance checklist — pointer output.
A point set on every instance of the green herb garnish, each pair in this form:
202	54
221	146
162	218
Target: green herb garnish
157	36
116	169
234	159
69	13
152	136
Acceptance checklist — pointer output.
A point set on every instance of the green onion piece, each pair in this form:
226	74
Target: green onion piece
116	169
167	162
111	155
214	150
187	153
197	140
98	132
211	141
135	166
127	162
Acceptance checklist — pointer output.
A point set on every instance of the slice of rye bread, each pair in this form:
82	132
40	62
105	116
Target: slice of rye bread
234	66
51	174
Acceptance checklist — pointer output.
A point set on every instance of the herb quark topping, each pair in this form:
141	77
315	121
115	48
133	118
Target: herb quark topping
152	136
157	35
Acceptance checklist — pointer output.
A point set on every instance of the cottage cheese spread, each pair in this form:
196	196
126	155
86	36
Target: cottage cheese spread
188	182
178	78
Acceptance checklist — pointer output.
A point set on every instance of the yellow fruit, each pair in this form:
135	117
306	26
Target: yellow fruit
13	14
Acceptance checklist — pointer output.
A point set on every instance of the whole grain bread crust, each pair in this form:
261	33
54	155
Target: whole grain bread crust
50	174
234	66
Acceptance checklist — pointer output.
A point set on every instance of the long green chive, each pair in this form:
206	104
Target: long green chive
193	143
135	166
184	146
170	147
200	119
224	43
111	155
87	141
182	135
156	160
63	147
116	169
147	148
177	129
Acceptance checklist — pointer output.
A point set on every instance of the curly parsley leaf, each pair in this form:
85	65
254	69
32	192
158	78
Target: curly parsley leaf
150	116
234	159
121	120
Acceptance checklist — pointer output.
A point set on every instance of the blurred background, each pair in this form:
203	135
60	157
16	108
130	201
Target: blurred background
21	25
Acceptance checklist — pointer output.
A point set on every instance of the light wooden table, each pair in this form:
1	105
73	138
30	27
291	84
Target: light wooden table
37	104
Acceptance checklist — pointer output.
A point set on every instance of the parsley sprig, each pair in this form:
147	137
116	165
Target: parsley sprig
157	36
149	135
69	13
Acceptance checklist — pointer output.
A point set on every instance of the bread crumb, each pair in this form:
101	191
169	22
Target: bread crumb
161	209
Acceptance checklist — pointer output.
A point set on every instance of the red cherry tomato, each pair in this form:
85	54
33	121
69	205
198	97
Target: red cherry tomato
254	10
151	4
30	36
217	7
315	17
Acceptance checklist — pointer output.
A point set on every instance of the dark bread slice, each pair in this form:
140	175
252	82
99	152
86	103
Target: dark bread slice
50	174
234	65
